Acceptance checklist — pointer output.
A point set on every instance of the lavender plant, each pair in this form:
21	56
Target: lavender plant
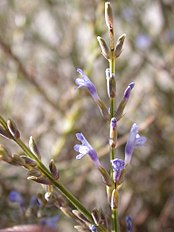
113	178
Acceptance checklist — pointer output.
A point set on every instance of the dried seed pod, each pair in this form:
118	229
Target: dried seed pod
33	147
13	129
41	180
53	169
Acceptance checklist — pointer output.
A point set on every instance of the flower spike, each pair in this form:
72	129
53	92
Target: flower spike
134	140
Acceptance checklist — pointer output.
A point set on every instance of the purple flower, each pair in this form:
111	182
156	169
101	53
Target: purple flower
86	148
35	202
134	140
16	197
93	228
85	82
128	90
113	122
50	222
129	223
118	165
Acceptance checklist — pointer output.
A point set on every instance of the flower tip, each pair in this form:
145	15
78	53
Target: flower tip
79	70
123	35
79	136
127	93
134	126
79	156
114	122
132	84
129	223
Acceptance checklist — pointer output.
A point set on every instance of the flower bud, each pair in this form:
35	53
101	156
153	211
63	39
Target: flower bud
114	199
4	154
103	109
53	169
122	105
119	45
66	211
110	84
96	216
17	160
80	216
106	177
108	15
113	132
129	224
13	129
29	161
34	172
5	133
103	46
41	180
93	228
48	196
33	147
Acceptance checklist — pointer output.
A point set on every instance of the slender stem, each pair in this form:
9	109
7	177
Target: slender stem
69	196
115	222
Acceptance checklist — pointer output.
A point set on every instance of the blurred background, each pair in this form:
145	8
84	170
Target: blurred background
41	45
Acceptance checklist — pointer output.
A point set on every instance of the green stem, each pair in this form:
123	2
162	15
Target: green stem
61	188
115	222
69	196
